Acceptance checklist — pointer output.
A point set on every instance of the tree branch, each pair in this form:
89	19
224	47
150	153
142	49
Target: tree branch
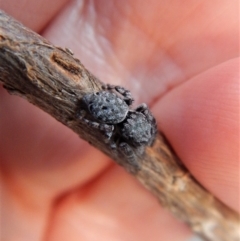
52	79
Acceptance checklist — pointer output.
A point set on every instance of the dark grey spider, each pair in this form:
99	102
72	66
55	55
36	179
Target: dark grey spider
127	130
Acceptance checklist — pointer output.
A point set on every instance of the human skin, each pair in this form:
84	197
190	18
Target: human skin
182	59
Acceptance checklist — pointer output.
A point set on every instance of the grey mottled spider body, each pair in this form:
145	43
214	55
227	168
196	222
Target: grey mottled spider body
128	131
106	107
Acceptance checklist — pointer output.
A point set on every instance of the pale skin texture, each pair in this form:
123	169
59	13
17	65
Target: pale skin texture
181	58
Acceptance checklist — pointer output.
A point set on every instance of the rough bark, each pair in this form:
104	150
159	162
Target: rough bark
52	79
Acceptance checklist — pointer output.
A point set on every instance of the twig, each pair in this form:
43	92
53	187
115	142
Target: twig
52	79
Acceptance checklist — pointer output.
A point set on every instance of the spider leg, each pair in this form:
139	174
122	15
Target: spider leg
132	164
125	93
121	90
106	130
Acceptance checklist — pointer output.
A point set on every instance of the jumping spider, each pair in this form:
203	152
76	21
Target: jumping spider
127	130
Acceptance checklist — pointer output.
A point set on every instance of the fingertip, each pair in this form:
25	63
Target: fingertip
201	120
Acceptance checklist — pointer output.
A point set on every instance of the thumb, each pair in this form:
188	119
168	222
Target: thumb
201	120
